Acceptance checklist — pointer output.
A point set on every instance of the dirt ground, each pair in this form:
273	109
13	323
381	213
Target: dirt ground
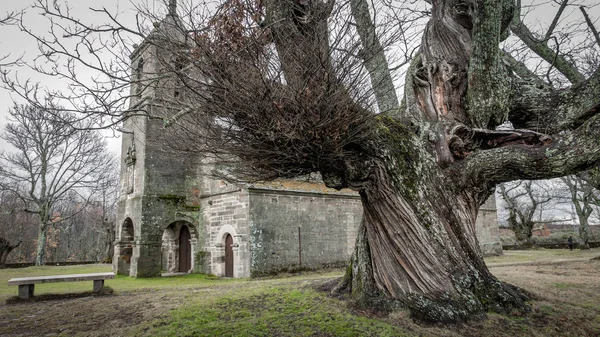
567	304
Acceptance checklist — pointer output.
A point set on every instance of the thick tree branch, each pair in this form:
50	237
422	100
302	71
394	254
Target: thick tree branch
563	155
374	57
521	70
590	25
552	26
551	111
489	84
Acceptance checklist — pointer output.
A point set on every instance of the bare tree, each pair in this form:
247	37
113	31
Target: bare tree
5	248
282	88
583	196
51	159
17	226
523	201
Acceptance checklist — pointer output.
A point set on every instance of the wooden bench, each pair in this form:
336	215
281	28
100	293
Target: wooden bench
26	284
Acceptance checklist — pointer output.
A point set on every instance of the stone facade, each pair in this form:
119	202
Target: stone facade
486	226
293	230
173	218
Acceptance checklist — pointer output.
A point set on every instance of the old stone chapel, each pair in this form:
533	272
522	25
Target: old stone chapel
171	217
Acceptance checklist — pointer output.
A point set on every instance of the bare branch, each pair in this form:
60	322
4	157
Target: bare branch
590	25
552	26
541	48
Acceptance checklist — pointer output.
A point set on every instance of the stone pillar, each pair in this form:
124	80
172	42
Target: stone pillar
236	258
487	229
122	258
26	291
218	260
98	285
146	259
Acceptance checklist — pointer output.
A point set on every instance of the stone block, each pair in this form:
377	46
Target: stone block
26	291
98	285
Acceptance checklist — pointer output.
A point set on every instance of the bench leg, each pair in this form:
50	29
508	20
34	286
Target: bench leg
98	285
26	291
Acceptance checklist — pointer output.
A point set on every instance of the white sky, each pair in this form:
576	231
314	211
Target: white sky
15	43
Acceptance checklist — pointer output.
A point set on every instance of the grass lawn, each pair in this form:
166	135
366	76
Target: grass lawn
567	303
542	255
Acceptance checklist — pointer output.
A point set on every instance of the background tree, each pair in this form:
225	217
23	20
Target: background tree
51	159
17	226
281	88
523	200
583	196
5	248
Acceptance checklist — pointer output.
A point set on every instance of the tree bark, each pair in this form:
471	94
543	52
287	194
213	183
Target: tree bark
40	258
42	240
374	57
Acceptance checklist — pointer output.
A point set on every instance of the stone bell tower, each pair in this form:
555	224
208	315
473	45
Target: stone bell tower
157	184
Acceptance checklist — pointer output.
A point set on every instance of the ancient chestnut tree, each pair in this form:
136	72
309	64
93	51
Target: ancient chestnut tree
284	88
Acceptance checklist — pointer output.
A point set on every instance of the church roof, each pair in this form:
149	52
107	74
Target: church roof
301	186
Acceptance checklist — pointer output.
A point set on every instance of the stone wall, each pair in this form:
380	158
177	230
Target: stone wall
301	230
487	229
225	211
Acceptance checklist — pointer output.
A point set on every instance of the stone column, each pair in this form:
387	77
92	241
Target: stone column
146	259
122	258
487	229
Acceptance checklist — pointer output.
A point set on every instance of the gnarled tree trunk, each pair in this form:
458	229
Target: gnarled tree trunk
418	246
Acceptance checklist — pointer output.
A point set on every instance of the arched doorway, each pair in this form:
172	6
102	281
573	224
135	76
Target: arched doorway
125	247
228	256
185	250
179	240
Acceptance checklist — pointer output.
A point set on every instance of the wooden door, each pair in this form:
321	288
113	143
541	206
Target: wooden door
228	256
185	250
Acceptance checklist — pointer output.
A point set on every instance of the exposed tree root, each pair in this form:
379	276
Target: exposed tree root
474	296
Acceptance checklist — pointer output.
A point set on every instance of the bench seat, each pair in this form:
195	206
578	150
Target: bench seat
26	284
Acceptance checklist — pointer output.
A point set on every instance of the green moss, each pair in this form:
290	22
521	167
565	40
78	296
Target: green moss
172	197
200	260
405	156
399	142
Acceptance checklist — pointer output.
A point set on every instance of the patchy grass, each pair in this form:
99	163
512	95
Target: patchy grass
567	304
280	311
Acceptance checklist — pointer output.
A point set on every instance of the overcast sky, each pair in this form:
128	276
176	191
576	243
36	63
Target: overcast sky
15	42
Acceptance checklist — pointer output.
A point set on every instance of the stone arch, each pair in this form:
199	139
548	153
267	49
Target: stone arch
125	247
221	266
172	246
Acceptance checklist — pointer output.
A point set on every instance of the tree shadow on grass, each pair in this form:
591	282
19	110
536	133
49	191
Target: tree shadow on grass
106	291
